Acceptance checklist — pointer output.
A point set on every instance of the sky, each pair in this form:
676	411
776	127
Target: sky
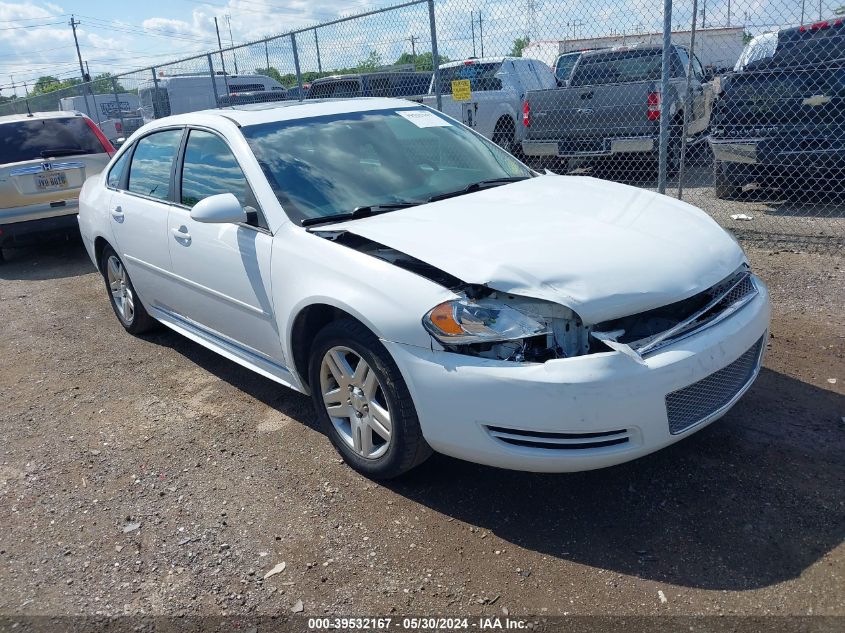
117	36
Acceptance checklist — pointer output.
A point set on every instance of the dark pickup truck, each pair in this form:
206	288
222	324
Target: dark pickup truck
612	106
782	115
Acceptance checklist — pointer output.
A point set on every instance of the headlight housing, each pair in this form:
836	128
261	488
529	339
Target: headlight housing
463	321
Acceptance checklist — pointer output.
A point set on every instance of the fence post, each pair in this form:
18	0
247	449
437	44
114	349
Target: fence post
664	96
435	56
155	92
688	102
213	81
94	99
117	103
296	64
317	44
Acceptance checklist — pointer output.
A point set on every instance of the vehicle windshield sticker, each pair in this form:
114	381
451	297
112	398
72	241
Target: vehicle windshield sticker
423	118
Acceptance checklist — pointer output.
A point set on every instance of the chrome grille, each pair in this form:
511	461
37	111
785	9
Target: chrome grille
559	441
693	404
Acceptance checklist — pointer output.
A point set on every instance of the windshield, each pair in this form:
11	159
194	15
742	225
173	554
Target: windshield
334	164
482	77
34	139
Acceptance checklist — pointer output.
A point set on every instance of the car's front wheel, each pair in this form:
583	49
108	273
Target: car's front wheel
124	300
363	402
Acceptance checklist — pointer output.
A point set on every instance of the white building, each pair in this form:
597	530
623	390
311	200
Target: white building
718	47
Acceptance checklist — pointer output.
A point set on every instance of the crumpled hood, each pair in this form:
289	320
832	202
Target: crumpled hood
603	249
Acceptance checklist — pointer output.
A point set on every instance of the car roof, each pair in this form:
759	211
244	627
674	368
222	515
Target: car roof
258	113
485	60
60	114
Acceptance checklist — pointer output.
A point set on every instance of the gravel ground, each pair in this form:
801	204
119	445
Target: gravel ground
150	476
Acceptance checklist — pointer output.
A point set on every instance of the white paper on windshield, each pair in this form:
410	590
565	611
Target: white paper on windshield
423	118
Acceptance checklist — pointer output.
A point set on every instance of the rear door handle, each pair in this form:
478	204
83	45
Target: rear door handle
117	212
181	234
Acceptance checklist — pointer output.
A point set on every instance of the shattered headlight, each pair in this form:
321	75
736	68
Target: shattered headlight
463	321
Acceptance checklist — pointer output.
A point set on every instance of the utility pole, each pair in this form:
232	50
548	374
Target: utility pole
704	14
73	24
232	41
220	46
481	33
413	39
266	56
472	26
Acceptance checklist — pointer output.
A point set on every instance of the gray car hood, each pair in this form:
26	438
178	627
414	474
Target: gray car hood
603	249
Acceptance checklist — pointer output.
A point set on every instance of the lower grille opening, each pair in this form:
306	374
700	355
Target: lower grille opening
692	405
559	441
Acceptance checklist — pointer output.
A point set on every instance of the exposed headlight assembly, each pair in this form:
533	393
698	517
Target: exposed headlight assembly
463	321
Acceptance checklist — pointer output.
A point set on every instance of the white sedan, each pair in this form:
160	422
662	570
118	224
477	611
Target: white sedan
425	287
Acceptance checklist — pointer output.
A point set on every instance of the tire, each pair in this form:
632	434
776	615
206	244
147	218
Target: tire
377	389
504	134
124	300
725	186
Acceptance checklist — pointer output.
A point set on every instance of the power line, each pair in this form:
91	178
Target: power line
29	26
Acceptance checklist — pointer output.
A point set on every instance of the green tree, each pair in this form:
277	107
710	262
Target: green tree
370	62
422	62
746	37
519	45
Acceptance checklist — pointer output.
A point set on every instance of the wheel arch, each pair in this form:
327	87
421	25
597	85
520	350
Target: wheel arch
100	244
305	326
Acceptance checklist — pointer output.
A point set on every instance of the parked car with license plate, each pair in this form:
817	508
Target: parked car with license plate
781	116
425	287
44	160
498	86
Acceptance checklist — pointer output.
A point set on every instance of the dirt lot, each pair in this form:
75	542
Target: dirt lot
147	475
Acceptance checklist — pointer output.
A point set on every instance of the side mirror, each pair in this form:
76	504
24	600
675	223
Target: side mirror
223	208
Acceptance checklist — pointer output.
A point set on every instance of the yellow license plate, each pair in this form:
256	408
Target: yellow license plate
55	180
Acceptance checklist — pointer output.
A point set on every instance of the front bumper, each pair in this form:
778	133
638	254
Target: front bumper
35	231
584	148
596	410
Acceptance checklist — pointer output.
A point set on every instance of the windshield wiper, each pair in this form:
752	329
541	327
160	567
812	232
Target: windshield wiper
62	151
477	186
359	212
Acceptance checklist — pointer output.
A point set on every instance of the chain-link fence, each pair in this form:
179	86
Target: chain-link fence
737	106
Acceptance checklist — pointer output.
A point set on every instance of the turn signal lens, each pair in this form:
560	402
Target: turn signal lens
443	318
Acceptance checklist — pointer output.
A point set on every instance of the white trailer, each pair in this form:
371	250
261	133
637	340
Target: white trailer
715	47
103	106
188	93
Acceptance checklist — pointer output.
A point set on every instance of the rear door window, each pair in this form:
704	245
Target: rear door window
37	139
618	67
152	162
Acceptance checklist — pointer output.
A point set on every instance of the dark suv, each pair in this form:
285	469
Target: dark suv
781	115
377	84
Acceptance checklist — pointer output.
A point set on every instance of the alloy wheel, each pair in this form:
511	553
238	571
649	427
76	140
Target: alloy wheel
355	402
121	293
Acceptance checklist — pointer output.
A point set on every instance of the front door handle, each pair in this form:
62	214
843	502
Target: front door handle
181	234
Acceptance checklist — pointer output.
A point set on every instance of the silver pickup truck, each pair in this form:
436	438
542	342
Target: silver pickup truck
612	106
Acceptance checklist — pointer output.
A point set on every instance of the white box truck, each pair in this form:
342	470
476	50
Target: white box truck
188	93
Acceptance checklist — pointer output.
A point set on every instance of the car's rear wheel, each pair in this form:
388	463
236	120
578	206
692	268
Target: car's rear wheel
363	402
124	300
504	134
725	184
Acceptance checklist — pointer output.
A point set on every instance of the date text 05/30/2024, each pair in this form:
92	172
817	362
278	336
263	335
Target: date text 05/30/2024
418	624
